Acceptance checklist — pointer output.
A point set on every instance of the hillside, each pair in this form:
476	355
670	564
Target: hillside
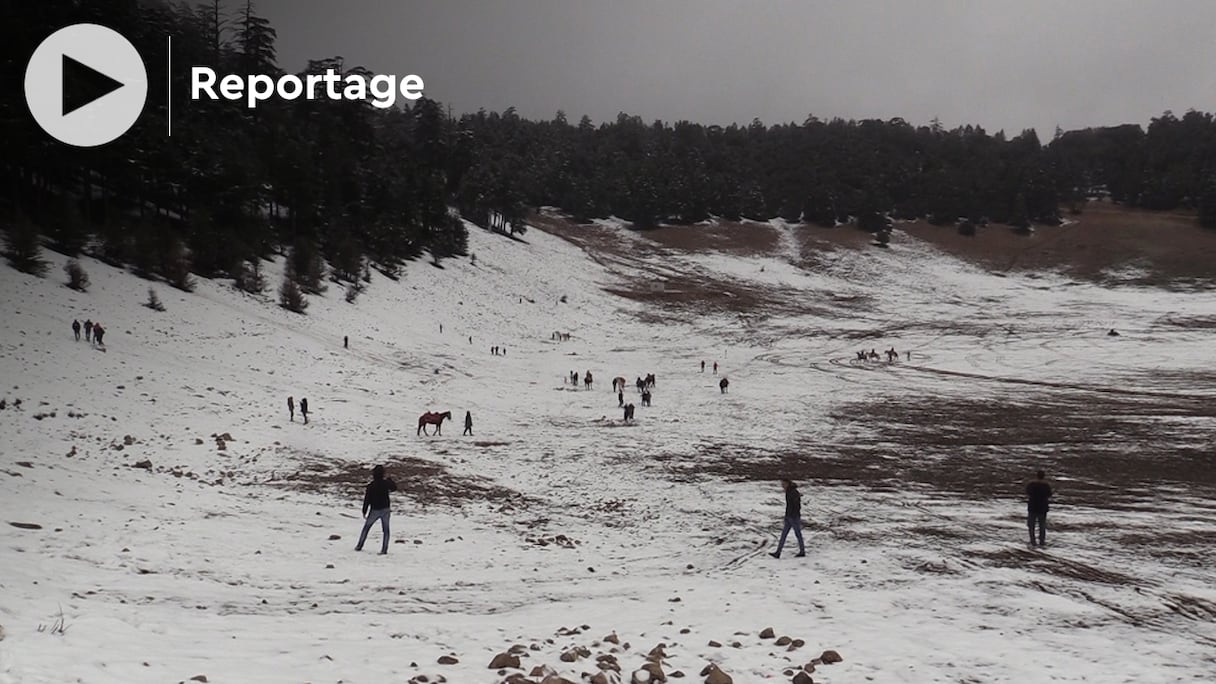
557	524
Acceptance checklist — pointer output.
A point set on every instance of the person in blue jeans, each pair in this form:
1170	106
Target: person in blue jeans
376	507
793	519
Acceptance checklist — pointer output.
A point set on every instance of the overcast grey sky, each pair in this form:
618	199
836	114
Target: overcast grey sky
1009	64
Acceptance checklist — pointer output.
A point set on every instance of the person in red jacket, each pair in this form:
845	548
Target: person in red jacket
376	507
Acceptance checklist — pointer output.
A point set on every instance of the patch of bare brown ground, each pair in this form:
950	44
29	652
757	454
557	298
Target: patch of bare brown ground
419	481
744	238
690	290
1168	247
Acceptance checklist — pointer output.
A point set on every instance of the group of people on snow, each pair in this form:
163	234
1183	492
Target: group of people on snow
376	507
93	332
291	409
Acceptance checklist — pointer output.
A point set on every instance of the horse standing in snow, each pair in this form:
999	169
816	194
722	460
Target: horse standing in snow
587	380
648	381
618	384
723	385
435	419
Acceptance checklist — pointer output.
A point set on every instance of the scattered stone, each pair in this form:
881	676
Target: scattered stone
503	660
128	440
655	671
554	679
783	641
574	654
26	526
612	638
145	464
329	566
607	661
767	633
802	678
830	657
335	537
797	643
713	675
714	644
448	660
199	678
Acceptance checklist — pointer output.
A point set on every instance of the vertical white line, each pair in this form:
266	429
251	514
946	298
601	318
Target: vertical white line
169	77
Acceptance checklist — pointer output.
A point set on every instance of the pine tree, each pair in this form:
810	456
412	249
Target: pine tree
23	249
290	295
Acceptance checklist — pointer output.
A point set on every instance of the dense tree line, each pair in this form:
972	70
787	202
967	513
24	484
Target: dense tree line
830	172
341	188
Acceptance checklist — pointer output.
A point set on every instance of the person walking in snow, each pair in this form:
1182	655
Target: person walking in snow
88	331
468	423
304	409
620	398
702	365
76	329
98	333
345	342
793	519
375	505
715	367
1038	493
291	408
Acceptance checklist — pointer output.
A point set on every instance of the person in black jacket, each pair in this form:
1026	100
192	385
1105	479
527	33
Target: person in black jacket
1038	492
793	519
376	507
468	423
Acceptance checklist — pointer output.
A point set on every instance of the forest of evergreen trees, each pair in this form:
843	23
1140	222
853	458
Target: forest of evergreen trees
343	188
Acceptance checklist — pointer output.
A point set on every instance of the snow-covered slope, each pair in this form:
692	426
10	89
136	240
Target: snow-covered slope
237	563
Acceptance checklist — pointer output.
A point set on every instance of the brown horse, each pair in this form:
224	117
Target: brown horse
618	384
723	385
587	380
435	419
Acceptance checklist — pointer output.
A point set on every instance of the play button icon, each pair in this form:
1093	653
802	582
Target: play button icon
85	85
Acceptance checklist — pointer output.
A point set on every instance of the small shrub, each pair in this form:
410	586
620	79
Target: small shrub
154	301
966	228
352	292
249	277
77	278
